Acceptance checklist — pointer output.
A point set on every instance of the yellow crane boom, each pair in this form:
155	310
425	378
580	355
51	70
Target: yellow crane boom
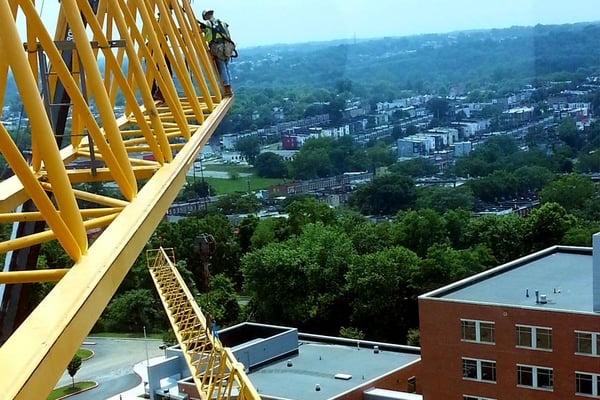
214	368
145	147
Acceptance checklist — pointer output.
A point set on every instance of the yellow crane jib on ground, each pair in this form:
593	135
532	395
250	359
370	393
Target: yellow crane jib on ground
89	92
215	370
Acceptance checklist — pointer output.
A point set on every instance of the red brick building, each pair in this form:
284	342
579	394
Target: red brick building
529	329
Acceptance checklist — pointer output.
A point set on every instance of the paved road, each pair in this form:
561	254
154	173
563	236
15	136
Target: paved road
207	173
111	366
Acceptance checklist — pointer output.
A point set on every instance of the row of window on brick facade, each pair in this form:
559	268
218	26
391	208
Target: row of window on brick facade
529	376
527	336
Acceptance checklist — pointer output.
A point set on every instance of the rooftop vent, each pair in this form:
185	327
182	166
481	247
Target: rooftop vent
344	377
317	387
543	299
376	349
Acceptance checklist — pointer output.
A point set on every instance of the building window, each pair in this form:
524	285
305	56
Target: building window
476	331
587	343
535	377
479	370
534	337
467	397
587	384
412	384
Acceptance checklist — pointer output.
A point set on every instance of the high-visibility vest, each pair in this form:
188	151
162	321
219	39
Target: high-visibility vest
215	30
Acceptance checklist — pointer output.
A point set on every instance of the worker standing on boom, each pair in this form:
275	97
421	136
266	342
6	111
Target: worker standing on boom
220	45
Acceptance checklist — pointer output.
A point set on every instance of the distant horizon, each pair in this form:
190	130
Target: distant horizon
413	35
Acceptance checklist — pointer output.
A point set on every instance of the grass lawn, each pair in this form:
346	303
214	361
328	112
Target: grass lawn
240	184
84	353
69	389
245	169
228	186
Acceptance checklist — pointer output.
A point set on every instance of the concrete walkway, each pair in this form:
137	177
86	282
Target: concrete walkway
117	366
137	392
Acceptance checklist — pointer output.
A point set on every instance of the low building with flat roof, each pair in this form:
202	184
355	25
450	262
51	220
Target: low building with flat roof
283	364
326	368
528	329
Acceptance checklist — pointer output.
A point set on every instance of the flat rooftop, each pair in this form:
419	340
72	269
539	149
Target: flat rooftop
317	363
563	274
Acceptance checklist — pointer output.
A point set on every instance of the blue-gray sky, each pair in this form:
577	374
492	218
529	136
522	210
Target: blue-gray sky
261	22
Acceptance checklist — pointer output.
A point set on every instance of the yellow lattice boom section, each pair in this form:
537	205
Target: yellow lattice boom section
216	372
118	132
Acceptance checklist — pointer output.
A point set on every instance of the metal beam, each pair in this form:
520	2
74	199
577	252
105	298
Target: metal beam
70	310
111	148
31	276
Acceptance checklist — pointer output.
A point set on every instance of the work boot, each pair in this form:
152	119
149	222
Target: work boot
227	91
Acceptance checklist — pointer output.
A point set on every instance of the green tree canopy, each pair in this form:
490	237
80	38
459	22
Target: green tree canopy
312	160
440	108
415	168
270	165
73	367
303	212
444	265
547	225
274	278
504	235
132	311
300	281
269	230
220	302
569	134
499	185
384	196
236	203
196	189
384	294
440	198
418	230
571	191
249	147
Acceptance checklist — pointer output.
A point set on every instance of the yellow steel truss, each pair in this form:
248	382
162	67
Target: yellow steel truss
216	372
138	42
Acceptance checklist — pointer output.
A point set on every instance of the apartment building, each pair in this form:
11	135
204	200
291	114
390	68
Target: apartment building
529	329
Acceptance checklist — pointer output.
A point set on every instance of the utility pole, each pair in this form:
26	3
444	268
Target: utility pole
146	344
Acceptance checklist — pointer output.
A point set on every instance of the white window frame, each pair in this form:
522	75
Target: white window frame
534	377
469	397
534	337
595	384
595	338
478	331
479	370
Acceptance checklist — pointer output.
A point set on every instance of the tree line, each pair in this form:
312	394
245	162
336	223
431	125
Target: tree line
330	271
335	271
338	272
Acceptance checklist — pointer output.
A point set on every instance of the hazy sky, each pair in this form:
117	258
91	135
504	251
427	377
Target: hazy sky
259	22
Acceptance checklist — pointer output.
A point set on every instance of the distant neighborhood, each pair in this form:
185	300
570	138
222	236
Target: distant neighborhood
468	126
452	128
413	125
